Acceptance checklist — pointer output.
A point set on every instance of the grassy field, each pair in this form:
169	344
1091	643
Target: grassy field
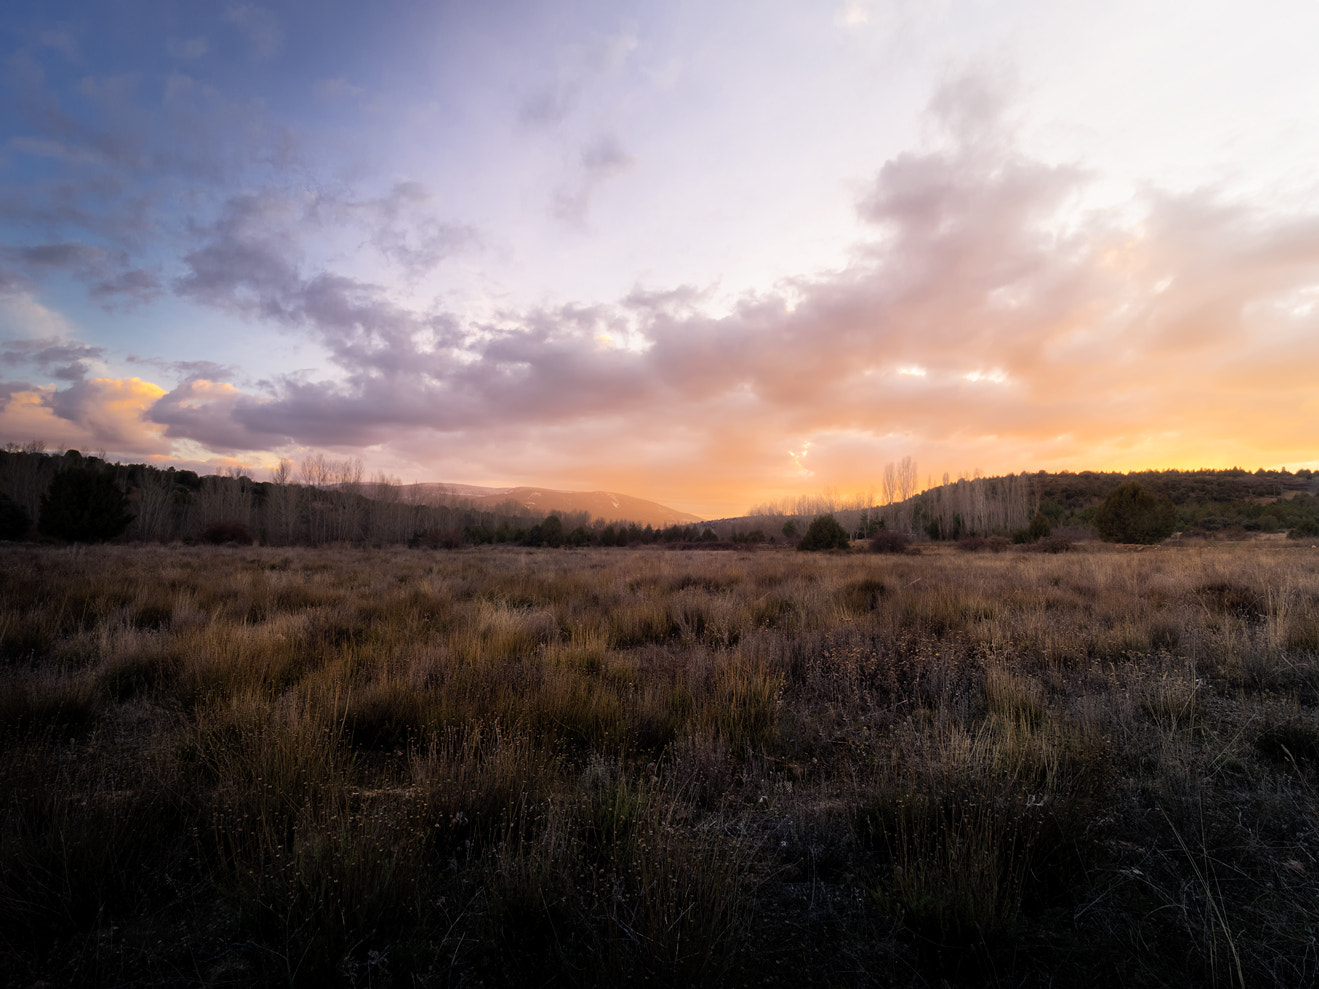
539	767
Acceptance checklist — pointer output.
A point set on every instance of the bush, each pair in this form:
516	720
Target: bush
83	505
14	522
889	541
1040	527
228	533
754	536
1056	543
1305	529
974	544
1130	514
437	538
825	533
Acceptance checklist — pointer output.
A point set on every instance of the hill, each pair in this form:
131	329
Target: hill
1230	503
608	505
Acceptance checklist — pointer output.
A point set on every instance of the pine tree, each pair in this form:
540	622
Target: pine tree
1131	514
825	533
83	505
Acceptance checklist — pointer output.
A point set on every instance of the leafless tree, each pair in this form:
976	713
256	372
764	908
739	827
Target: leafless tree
282	505
153	507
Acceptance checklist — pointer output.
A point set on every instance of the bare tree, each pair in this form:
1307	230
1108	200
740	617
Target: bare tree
153	506
282	505
390	517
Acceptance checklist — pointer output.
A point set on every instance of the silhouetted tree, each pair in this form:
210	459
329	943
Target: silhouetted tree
14	522
83	505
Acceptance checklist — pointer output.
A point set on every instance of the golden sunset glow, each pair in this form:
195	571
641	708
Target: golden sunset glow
707	258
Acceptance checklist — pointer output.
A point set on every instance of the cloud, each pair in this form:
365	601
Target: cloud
209	413
336	89
1050	336
599	161
404	230
851	14
578	67
110	279
92	414
1183	327
21	314
62	41
250	259
135	287
64	359
259	25
186	49
187	370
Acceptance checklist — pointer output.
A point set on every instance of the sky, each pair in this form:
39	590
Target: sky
714	253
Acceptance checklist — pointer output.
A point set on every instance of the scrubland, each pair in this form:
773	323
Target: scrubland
223	766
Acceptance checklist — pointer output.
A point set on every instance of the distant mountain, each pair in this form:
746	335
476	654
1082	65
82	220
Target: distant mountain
608	505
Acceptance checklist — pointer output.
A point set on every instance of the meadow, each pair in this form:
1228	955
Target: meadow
512	766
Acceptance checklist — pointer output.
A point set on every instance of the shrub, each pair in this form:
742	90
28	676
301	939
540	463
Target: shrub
1305	529
437	539
1131	514
228	533
889	541
824	533
1054	544
83	505
754	536
1040	527
14	522
974	544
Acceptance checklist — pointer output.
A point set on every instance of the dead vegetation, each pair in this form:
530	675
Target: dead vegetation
232	764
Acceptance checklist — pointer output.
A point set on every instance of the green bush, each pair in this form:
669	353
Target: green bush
1131	514
1040	526
825	533
1305	529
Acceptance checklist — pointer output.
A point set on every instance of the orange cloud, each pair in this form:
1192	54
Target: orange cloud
95	414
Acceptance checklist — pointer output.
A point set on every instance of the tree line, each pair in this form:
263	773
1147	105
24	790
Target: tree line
319	501
1027	507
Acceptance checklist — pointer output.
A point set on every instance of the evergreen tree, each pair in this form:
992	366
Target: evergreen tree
824	533
14	522
84	505
1131	514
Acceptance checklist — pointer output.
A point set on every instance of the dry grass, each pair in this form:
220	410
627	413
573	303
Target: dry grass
237	765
